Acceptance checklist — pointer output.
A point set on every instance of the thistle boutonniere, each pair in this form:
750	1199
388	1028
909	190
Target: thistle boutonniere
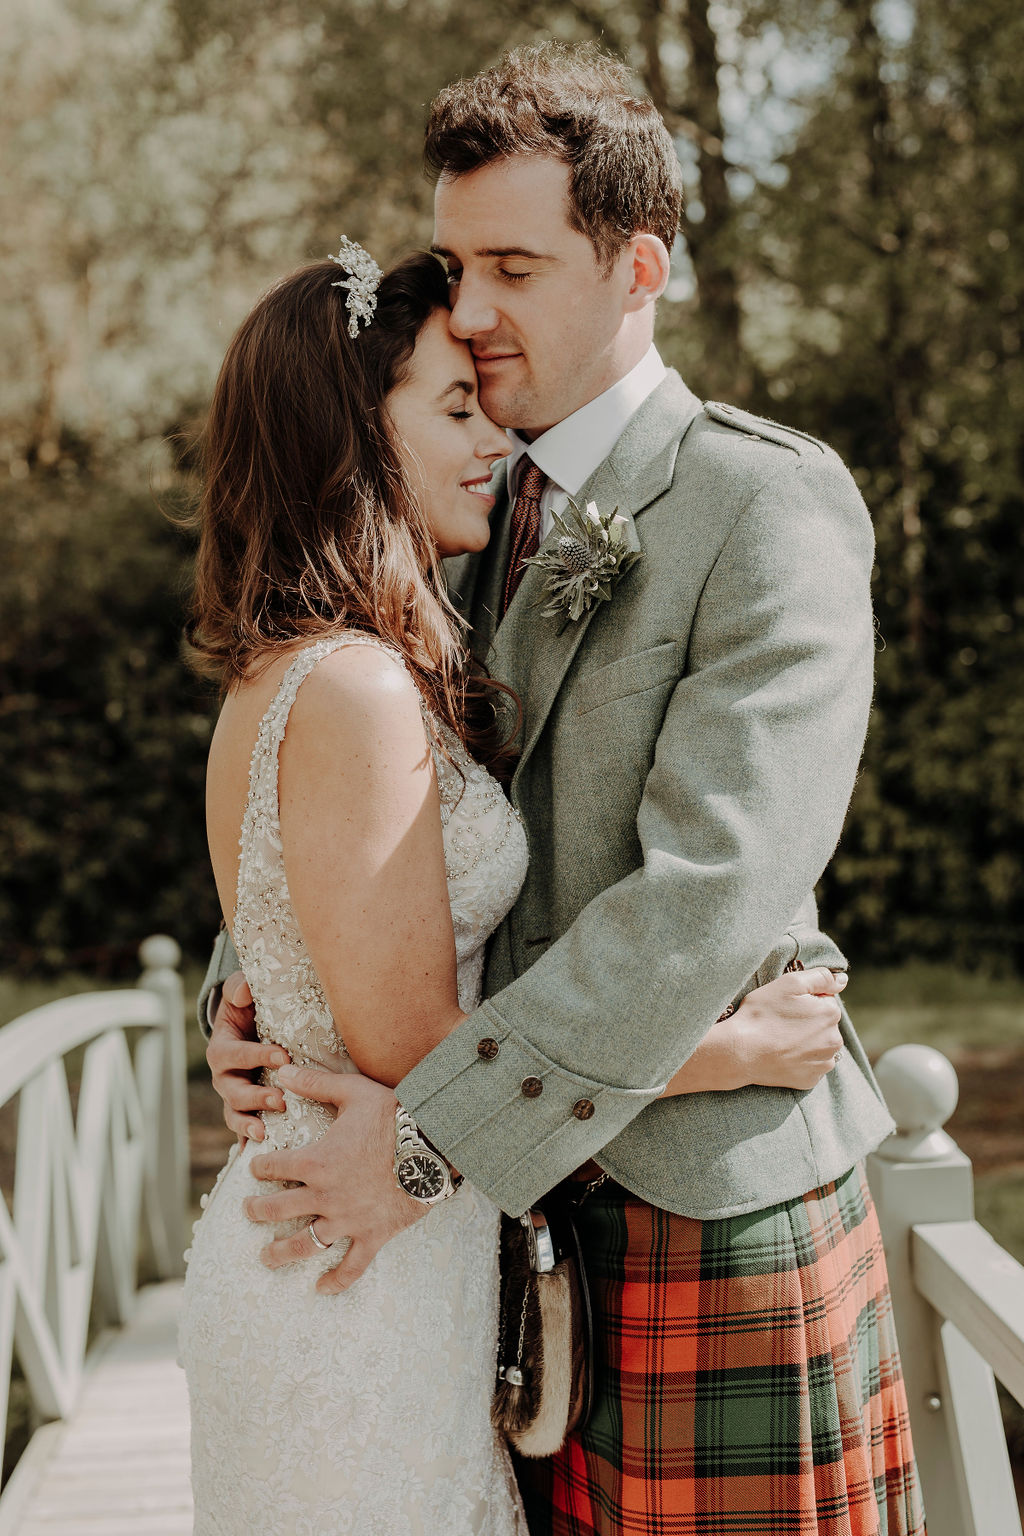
592	551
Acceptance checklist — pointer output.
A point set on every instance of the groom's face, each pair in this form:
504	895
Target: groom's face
527	291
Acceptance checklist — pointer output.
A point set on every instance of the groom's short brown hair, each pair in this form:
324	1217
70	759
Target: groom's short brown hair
576	103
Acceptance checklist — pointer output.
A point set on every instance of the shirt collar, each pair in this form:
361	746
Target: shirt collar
569	452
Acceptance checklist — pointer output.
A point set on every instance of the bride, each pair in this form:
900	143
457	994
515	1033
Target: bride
346	454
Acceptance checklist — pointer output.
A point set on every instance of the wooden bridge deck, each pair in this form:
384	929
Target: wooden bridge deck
120	1465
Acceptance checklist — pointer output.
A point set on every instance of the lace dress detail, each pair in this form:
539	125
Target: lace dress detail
364	1413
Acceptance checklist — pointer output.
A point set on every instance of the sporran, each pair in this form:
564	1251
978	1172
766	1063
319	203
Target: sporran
546	1338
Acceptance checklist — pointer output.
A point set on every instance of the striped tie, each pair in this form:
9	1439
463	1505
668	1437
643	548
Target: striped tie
525	528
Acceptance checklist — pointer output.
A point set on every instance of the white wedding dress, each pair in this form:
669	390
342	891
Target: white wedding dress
366	1412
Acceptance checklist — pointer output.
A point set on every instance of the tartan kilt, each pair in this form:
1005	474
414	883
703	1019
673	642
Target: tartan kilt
748	1379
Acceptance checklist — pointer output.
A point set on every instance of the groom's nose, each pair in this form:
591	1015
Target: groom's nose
471	313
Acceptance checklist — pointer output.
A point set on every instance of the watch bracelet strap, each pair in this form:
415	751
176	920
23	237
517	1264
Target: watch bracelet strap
408	1137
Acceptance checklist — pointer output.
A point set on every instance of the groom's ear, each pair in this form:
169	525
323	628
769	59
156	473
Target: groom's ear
649	270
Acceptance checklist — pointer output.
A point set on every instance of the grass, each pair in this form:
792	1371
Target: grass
18	997
935	1005
920	984
999	1206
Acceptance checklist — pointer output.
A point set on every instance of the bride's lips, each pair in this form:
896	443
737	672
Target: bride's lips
479	489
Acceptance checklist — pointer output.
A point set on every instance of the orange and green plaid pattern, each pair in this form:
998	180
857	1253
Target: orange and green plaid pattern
749	1382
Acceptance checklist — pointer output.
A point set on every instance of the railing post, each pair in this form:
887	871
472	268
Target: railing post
918	1176
163	1089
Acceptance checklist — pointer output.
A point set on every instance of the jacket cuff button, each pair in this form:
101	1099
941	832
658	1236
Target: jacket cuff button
487	1049
583	1109
532	1088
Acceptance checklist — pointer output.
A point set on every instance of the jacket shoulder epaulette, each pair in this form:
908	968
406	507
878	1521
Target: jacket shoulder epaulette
760	426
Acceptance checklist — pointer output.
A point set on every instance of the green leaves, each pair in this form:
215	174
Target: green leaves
103	732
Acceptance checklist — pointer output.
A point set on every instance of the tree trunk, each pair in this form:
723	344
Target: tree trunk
727	371
890	235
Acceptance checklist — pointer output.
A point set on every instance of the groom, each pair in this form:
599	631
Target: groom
689	747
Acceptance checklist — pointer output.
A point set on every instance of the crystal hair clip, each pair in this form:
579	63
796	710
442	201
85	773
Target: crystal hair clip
362	283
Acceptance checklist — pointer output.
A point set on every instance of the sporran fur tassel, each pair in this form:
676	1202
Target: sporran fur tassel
520	1341
544	1371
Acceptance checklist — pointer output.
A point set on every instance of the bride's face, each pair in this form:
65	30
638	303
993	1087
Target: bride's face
445	441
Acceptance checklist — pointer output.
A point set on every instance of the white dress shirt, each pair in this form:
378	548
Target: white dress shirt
569	452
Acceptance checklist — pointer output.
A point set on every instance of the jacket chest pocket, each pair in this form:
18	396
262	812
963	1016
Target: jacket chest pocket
629	675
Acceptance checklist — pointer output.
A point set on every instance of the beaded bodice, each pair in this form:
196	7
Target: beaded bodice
485	862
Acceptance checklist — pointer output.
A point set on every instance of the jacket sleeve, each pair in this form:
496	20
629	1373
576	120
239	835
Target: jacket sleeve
742	808
223	963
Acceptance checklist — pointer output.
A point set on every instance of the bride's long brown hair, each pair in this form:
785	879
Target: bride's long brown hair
307	523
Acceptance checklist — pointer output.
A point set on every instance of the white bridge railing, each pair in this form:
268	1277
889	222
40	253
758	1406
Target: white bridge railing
92	1174
958	1299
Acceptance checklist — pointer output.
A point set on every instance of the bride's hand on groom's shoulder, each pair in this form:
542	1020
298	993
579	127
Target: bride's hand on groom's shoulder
344	1181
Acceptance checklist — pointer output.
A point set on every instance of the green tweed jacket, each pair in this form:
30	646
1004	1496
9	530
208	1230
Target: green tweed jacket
688	753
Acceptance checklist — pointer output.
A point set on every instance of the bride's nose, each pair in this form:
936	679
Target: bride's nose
493	444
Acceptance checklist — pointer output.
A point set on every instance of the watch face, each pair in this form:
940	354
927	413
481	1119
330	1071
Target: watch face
422	1176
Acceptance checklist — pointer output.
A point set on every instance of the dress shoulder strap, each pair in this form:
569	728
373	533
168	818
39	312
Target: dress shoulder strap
261	810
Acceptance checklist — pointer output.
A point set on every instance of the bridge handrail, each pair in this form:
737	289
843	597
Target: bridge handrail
958	1301
966	1277
92	1174
29	1042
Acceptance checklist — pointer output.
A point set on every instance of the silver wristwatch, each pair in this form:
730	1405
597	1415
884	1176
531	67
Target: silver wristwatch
420	1170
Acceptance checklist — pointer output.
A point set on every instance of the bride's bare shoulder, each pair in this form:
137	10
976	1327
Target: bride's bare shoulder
356	735
358	689
354	675
359	698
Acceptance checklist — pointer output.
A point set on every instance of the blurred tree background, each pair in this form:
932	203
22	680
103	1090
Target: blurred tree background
849	263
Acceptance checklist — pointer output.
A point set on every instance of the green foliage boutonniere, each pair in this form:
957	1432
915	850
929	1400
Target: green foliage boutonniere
592	551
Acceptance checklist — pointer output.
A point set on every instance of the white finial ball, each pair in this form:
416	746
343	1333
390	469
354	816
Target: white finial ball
160	953
920	1087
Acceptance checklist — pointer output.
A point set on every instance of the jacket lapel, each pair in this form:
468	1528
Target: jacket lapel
532	653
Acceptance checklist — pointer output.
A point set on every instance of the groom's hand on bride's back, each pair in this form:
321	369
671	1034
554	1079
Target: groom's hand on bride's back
235	1057
345	1181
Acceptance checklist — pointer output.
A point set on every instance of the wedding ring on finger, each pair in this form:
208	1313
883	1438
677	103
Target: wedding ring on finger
311	1229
